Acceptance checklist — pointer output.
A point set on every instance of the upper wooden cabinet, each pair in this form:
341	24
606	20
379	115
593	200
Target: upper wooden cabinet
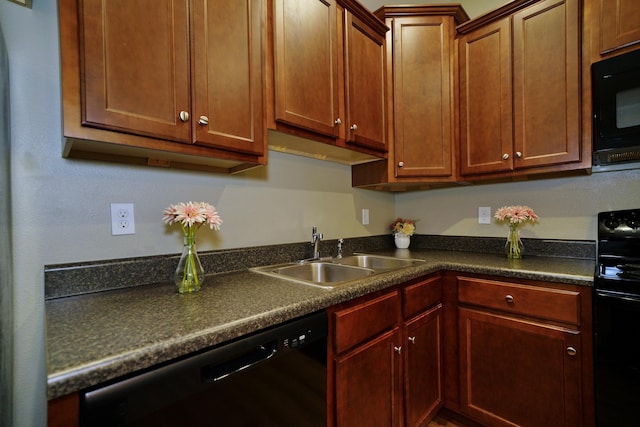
169	83
364	69
486	100
421	76
306	74
521	99
615	26
328	77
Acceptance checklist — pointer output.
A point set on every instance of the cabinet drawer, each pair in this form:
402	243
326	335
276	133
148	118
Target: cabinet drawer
547	303
366	320
419	296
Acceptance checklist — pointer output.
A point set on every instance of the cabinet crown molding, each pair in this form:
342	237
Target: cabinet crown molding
398	11
362	13
501	12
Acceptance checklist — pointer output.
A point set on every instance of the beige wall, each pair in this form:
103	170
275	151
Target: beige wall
567	206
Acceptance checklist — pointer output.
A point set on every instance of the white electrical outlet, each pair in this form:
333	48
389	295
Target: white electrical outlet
122	219
365	216
484	215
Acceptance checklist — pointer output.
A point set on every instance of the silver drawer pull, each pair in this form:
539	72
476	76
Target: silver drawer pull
509	299
398	349
412	340
571	351
184	116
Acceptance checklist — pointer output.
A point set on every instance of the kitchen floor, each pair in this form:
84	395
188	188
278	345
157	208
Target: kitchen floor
447	419
441	422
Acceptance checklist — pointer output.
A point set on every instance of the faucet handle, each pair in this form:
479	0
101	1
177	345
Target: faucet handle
340	242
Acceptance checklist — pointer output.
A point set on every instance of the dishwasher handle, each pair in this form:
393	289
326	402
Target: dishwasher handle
216	372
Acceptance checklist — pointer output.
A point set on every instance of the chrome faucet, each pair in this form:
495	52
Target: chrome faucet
315	241
340	242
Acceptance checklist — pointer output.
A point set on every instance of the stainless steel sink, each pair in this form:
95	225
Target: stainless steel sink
377	262
330	273
319	273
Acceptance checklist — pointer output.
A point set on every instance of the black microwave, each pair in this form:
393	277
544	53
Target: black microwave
616	109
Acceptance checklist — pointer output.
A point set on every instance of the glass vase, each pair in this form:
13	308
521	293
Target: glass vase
513	248
189	274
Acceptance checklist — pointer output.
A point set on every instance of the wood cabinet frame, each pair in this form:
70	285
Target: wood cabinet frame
141	148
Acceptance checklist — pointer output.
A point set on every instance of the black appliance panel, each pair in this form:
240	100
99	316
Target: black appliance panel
616	109
617	319
273	378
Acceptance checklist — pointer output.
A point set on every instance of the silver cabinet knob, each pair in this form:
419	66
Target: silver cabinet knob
412	340
509	299
354	127
571	351
398	349
400	164
338	121
505	156
184	116
203	121
518	154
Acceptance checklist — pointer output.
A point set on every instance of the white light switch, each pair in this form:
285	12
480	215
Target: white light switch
484	215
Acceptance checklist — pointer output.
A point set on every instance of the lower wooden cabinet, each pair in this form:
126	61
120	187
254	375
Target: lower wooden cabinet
423	367
385	358
64	411
517	372
524	353
366	383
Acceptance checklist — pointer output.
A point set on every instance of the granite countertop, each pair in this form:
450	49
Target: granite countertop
97	337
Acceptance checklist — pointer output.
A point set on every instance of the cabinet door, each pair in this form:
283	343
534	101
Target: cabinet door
64	411
365	85
486	120
228	74
619	24
423	96
135	75
367	384
306	64
423	384
518	373
546	63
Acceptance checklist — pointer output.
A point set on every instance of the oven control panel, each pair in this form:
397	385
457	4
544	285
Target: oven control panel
624	223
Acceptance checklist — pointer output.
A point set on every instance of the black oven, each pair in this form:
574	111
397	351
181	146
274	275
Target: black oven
275	378
617	319
616	109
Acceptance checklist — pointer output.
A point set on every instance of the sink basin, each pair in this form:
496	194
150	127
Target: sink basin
377	262
325	274
330	273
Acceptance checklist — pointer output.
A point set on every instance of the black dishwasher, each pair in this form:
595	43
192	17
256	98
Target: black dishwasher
276	377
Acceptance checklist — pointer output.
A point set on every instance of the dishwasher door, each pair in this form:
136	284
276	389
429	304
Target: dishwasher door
277	377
